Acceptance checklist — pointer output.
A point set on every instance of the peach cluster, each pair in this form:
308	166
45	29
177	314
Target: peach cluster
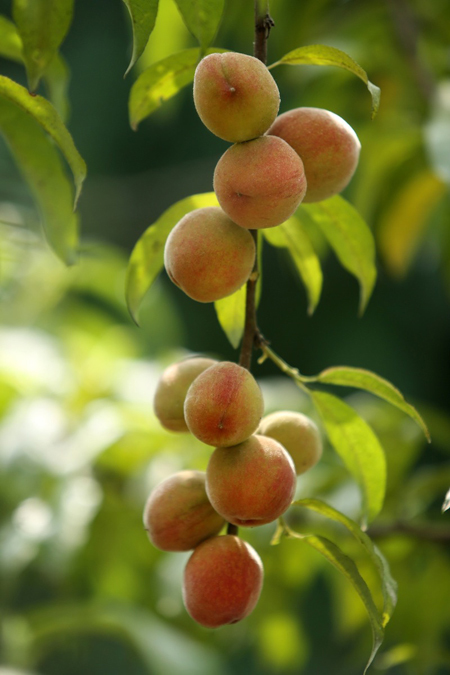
250	480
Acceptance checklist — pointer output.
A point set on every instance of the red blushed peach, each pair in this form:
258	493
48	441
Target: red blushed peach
252	483
222	581
208	256
328	146
172	388
235	96
223	405
178	514
260	183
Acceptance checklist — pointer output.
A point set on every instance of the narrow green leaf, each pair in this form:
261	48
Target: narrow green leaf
323	55
42	167
202	18
446	504
161	81
45	114
147	257
347	567
42	25
364	379
143	17
350	238
388	584
56	75
293	236
231	315
358	447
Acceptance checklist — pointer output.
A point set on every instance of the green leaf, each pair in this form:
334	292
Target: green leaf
143	17
161	81
43	169
446	504
364	379
231	315
293	236
56	75
323	55
388	584
202	18
42	25
347	567
358	447
45	114
147	257
350	238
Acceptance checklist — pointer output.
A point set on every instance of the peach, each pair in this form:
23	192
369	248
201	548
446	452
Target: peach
260	183
208	256
298	434
251	483
222	581
172	388
223	405
178	515
327	145
235	96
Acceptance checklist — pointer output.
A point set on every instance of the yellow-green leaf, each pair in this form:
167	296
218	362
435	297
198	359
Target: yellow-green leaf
446	504
202	18
147	257
10	42
42	167
323	55
359	448
350	238
42	25
364	379
45	114
231	315
143	17
293	236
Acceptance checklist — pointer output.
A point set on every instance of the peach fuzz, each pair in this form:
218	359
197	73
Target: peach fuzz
298	434
208	256
235	96
223	405
222	581
327	145
178	514
252	483
171	390
260	183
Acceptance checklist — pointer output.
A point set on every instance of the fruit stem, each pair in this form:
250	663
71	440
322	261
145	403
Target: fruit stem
263	25
232	529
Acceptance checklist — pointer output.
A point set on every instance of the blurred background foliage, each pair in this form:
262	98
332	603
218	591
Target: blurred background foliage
82	590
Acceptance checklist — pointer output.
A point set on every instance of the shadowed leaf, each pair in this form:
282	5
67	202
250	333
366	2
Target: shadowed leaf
143	17
202	18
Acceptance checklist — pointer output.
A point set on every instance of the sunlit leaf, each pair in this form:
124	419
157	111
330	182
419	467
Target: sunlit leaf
42	25
161	81
45	114
293	236
446	504
143	17
56	75
388	584
365	379
42	167
406	218
347	567
358	447
323	55
202	18
147	257
231	315
350	238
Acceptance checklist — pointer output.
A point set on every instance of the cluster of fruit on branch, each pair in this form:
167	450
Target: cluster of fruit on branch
250	480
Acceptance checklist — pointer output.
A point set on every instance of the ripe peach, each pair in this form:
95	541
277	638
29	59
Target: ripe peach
223	405
327	145
178	515
208	256
222	581
235	96
260	183
251	483
172	388
298	434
